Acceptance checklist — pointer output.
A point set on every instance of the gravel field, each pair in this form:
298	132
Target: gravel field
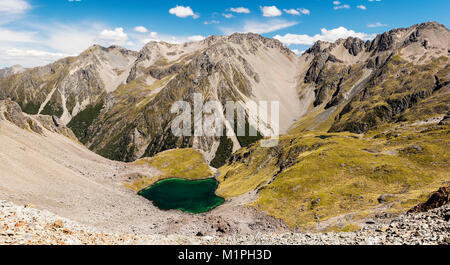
26	225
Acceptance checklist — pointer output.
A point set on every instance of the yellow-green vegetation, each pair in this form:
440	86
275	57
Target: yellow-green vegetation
81	122
345	228
312	177
178	163
397	88
318	120
138	91
241	177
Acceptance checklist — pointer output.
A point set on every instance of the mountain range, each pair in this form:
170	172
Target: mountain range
364	124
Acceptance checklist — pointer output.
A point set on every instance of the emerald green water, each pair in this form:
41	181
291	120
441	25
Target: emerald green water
192	196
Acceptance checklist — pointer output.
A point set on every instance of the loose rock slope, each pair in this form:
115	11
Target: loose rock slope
26	225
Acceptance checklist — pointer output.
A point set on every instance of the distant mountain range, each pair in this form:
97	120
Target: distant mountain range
117	101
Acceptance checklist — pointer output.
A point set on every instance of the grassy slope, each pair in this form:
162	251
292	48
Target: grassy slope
342	173
402	85
178	163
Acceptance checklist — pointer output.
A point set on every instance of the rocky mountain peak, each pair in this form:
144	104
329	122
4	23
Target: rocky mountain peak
8	71
157	53
427	35
421	42
98	50
238	38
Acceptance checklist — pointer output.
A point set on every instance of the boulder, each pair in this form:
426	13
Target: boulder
437	200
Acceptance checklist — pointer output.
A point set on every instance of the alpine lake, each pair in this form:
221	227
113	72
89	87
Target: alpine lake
191	196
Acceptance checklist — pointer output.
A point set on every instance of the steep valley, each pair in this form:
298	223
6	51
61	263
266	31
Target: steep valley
45	167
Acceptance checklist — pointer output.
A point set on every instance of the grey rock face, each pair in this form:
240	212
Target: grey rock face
11	112
15	69
66	87
354	46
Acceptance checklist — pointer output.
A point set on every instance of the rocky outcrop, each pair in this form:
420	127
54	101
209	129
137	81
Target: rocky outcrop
11	112
355	45
436	200
383	42
445	120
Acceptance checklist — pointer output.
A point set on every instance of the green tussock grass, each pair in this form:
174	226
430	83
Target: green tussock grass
81	122
178	163
331	175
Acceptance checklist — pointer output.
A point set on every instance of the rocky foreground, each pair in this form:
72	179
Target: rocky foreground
25	225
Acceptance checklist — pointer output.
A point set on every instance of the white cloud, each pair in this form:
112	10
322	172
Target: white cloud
196	38
260	27
10	10
341	7
154	36
14	6
7	35
25	53
75	38
377	25
336	3
362	7
298	52
304	11
325	35
240	10
292	12
227	15
27	57
71	39
271	11
116	36
297	12
183	12
47	42
141	29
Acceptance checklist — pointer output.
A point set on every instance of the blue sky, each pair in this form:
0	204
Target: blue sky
37	32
